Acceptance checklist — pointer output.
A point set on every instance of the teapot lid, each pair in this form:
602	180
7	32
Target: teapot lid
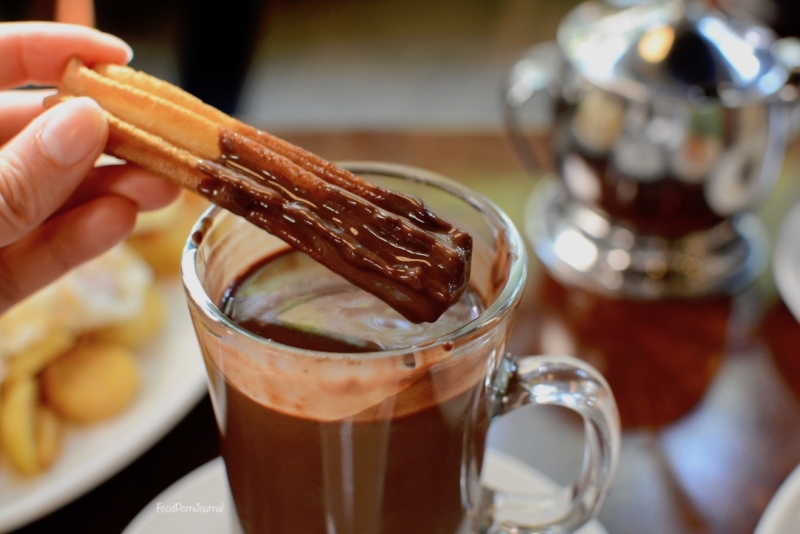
686	50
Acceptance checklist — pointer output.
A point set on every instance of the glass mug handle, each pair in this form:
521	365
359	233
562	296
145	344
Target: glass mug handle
570	383
531	85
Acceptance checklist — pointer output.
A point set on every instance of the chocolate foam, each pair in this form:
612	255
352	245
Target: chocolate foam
329	388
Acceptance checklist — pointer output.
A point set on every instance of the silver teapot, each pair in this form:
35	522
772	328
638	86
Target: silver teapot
664	123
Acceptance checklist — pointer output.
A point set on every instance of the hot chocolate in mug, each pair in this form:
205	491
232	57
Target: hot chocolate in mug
358	421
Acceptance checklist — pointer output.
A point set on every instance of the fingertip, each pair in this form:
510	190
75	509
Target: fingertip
126	49
86	104
110	219
166	194
159	193
147	190
100	223
42	166
62	243
93	227
38	52
74	131
104	48
89	105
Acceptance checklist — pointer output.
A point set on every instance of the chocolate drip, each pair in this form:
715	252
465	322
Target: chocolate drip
418	269
411	207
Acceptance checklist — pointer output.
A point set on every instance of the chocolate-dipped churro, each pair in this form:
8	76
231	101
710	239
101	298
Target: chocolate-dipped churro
385	242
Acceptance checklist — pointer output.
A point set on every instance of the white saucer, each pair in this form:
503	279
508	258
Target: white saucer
204	491
782	515
787	260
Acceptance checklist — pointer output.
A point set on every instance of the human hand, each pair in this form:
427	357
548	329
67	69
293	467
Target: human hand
56	209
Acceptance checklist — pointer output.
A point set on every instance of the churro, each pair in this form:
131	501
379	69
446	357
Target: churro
385	242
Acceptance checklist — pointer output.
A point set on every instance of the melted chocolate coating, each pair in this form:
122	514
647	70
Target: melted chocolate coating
419	268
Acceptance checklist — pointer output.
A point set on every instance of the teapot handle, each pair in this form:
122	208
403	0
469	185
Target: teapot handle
533	86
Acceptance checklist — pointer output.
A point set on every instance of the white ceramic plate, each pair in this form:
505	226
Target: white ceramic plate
173	379
200	502
782	515
787	261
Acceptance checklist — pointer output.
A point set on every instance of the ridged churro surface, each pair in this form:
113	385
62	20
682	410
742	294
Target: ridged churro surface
383	241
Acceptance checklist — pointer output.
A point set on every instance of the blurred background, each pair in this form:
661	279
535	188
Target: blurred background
419	82
302	64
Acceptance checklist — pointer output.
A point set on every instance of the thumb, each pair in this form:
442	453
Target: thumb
45	163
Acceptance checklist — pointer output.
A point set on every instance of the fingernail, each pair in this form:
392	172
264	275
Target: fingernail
116	41
128	50
73	131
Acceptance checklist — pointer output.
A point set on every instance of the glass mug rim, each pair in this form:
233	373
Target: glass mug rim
491	213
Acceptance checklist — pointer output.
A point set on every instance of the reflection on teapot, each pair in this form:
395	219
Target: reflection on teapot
669	170
666	124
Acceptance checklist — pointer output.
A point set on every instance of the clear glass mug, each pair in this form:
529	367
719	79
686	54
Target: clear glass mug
393	441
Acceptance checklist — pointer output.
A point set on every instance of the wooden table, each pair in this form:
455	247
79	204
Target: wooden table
708	390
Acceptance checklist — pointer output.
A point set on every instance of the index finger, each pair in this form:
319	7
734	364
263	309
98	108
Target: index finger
37	52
